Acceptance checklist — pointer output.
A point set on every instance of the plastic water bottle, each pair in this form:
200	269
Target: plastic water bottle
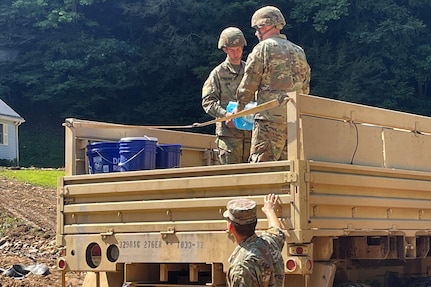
245	122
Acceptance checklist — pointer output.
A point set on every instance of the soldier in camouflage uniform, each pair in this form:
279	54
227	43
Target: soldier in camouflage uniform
257	260
274	67
219	89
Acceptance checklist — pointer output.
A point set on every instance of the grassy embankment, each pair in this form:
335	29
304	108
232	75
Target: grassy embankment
42	177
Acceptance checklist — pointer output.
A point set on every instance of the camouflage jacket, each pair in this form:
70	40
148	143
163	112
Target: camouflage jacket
258	262
218	90
274	67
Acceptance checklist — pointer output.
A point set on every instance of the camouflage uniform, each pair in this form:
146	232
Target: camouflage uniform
274	67
256	261
218	90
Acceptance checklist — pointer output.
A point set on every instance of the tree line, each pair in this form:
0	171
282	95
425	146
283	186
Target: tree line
144	61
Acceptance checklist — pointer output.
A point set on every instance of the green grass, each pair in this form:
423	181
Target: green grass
7	222
42	177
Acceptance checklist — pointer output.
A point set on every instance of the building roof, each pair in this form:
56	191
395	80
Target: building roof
8	113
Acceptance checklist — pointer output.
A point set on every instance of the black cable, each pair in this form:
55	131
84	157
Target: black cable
357	142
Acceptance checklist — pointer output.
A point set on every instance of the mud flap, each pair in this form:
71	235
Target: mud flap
323	274
103	279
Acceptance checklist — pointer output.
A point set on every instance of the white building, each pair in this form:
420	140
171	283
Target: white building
9	123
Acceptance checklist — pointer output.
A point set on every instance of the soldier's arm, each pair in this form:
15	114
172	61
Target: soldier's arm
268	208
277	235
306	76
211	96
251	80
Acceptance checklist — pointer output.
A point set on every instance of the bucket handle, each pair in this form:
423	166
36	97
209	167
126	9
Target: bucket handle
150	138
98	153
120	164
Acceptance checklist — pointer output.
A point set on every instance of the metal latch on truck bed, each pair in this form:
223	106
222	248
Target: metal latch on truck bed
169	231
109	232
291	177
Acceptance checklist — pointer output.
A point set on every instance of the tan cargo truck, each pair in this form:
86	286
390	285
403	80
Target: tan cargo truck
355	203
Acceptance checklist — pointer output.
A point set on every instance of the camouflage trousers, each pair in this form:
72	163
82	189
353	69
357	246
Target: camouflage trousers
268	141
233	150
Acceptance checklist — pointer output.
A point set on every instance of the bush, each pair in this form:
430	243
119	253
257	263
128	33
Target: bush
8	163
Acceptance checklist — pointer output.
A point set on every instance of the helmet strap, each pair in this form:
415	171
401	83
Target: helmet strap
264	33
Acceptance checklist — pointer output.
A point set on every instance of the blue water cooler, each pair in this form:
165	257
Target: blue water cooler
245	122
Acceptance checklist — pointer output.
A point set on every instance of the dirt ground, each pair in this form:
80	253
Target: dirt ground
30	239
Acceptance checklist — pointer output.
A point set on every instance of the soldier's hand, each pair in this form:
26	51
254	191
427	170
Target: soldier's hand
229	123
270	203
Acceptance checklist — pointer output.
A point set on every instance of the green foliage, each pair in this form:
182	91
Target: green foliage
144	62
42	177
41	142
321	12
9	163
377	45
7	222
422	70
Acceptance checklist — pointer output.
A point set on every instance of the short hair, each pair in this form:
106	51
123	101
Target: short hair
245	229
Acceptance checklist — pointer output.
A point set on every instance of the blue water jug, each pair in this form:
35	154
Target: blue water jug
242	123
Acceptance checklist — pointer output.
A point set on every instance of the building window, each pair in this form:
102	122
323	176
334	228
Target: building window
3	134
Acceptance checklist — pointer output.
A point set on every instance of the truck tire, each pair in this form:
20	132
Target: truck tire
420	282
351	284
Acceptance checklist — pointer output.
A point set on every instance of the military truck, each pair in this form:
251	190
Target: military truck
355	203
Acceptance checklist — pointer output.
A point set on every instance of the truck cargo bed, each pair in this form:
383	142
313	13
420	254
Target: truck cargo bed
355	191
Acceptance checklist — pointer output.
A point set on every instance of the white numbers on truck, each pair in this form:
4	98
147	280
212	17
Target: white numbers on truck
157	244
190	245
152	244
146	244
126	244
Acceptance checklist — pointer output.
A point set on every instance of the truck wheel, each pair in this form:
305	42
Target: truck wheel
393	280
420	282
351	284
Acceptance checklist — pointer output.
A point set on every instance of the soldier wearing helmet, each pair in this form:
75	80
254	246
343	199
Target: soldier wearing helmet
219	89
275	67
231	37
268	16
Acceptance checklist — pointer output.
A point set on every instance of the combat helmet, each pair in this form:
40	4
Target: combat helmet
268	16
231	37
